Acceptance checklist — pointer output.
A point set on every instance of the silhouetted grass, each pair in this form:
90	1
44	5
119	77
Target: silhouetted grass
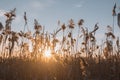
18	62
64	69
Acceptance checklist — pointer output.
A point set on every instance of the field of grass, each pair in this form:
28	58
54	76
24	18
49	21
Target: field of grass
40	55
67	68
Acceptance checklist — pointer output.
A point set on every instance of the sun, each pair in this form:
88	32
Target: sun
47	53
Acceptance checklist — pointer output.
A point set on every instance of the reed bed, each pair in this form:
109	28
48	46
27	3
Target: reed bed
76	58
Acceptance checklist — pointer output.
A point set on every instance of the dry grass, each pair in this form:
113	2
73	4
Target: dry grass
17	62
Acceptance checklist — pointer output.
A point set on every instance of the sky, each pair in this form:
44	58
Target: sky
48	12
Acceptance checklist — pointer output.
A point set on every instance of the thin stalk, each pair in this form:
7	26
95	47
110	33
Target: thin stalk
113	24
77	40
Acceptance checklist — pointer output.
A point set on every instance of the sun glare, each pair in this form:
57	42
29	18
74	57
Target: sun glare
47	53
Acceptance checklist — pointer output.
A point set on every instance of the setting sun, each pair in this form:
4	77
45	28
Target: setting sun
47	53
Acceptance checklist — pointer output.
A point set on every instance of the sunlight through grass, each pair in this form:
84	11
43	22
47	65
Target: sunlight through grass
47	53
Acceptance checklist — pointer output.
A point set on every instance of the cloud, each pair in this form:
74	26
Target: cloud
2	12
41	4
37	4
78	5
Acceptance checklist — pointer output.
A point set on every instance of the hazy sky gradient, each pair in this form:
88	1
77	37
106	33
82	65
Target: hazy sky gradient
48	12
